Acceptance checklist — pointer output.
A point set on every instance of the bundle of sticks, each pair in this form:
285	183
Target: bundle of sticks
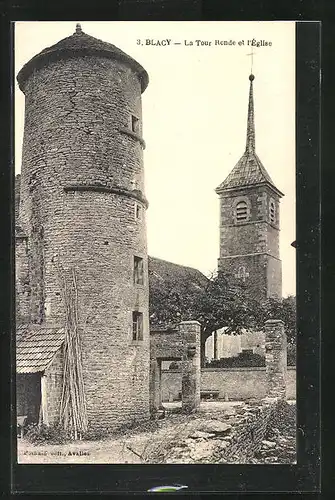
73	413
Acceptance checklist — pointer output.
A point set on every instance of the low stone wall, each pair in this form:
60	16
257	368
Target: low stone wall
247	433
234	384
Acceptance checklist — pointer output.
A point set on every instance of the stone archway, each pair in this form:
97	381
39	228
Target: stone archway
183	344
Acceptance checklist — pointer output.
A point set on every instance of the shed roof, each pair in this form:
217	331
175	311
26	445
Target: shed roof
168	278
36	346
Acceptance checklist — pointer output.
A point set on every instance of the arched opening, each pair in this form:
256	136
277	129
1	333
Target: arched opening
241	211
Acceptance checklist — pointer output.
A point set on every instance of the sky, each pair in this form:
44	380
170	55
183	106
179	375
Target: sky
194	121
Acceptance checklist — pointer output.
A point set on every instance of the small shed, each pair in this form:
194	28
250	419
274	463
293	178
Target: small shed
39	372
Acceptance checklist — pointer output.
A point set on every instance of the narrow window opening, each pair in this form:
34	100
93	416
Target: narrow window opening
135	124
137	211
137	325
138	271
106	242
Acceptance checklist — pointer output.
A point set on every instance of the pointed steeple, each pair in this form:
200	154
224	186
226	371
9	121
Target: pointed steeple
250	146
249	170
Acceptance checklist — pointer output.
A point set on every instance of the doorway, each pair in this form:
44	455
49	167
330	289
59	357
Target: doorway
28	396
171	382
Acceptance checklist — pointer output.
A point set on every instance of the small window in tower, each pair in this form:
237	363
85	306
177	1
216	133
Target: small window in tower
272	211
137	211
138	271
241	211
137	325
135	124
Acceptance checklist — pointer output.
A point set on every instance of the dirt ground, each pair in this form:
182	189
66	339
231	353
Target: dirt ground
132	448
177	438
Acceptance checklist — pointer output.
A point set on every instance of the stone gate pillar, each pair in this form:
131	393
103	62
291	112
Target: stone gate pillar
190	330
155	398
275	358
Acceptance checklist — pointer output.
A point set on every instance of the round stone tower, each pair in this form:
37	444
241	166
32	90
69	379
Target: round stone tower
82	207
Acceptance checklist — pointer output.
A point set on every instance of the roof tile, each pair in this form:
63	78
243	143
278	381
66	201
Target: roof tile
36	346
248	171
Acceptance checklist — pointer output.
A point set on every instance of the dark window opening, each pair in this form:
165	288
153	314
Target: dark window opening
106	243
138	271
137	325
241	211
138	211
135	124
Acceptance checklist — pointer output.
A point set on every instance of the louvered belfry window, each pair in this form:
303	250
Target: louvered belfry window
272	212
241	211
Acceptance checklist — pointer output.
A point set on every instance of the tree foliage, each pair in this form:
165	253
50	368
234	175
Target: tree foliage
221	303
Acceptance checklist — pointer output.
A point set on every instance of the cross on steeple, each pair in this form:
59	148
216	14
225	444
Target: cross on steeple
242	273
252	53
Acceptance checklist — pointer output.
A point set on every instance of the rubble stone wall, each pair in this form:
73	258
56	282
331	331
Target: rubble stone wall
247	433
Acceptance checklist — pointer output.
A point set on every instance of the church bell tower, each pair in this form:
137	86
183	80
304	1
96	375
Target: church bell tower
249	221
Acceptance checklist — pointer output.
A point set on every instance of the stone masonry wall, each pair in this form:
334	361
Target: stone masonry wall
251	420
234	384
255	266
180	344
276	358
116	368
53	377
254	243
190	330
82	179
22	280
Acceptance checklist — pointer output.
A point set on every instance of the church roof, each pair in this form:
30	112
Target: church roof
249	170
166	280
76	45
163	273
36	346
